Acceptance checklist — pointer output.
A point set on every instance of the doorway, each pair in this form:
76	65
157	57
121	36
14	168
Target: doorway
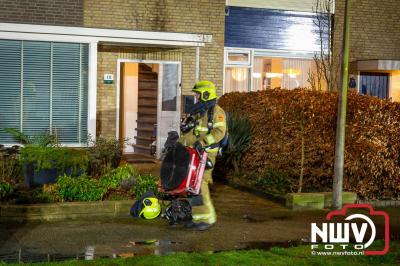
375	84
149	106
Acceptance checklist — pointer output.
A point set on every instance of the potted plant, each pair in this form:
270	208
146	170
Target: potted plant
42	165
43	160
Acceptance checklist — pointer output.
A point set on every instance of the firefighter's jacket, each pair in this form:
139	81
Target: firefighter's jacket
207	135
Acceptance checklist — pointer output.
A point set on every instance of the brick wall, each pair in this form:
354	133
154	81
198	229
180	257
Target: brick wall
49	12
374	30
107	63
197	16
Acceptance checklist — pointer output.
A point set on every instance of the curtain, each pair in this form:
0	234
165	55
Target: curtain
295	73
258	78
236	79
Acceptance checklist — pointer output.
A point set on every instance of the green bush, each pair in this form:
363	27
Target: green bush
275	182
105	154
42	151
115	177
39	140
82	188
145	183
55	157
6	189
239	139
85	188
33	196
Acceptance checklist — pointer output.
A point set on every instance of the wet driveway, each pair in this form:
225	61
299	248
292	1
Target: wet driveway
244	221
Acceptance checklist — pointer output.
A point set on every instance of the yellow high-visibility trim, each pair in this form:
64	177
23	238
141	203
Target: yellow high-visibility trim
201	129
219	124
215	150
210	139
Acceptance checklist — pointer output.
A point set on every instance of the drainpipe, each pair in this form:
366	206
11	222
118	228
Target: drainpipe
197	67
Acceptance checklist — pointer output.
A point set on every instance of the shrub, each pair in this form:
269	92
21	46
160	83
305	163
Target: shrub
105	154
10	169
36	195
55	157
40	140
116	177
6	189
145	183
82	188
43	152
275	183
85	188
239	139
282	120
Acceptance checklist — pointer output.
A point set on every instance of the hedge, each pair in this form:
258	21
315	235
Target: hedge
284	119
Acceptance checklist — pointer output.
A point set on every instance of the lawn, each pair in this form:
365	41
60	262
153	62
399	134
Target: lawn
276	256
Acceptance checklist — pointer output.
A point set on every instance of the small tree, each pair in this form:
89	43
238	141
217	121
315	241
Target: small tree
327	65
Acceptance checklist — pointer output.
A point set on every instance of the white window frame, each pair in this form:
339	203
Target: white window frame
92	77
238	63
259	52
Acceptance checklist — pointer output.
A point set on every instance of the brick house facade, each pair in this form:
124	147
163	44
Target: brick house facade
200	23
45	12
239	45
170	16
374	43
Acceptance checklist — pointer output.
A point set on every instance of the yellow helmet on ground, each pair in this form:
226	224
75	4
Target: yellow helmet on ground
151	208
147	207
206	89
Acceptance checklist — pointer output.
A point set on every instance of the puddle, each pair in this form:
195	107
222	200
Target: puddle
25	256
265	245
128	250
92	252
153	242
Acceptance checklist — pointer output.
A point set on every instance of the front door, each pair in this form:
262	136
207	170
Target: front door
168	108
375	84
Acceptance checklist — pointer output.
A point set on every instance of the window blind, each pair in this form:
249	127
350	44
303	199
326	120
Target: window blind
48	83
10	88
36	89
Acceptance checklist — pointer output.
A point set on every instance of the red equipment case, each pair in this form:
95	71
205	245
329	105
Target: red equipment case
191	180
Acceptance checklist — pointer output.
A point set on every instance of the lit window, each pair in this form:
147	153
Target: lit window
238	58
284	73
237	79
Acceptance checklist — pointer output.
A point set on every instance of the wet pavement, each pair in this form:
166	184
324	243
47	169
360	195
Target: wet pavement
245	221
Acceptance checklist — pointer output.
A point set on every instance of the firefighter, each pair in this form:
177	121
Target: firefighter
208	132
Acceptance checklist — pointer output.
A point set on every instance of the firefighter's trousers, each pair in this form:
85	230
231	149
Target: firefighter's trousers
206	212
